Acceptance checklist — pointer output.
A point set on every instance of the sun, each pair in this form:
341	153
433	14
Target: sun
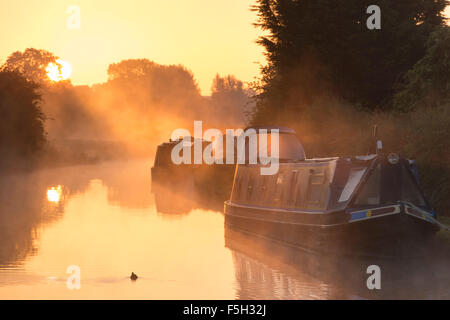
59	70
54	194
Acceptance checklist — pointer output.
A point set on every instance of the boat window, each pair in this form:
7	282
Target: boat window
293	187
353	180
279	187
370	191
314	193
410	192
250	187
316	189
263	188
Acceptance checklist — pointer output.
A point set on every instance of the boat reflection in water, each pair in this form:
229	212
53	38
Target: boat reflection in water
105	221
172	199
180	198
266	269
178	189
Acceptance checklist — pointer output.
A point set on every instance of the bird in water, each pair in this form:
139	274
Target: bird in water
133	276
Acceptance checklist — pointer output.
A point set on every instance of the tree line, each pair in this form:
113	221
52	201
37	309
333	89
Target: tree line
140	104
331	79
317	47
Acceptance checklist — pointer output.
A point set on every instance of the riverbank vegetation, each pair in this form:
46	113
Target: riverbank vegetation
332	79
327	76
22	135
48	123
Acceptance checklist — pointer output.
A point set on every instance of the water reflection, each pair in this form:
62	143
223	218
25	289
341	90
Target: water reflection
106	223
23	208
105	219
268	270
30	201
176	199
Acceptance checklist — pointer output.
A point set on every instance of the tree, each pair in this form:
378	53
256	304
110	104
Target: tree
161	81
144	85
130	69
428	82
317	46
230	97
22	132
31	64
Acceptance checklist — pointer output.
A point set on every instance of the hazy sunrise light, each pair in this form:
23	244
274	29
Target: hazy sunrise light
249	150
61	70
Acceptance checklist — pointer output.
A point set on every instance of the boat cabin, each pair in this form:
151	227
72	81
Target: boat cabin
327	184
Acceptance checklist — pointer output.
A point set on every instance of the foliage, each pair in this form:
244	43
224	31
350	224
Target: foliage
323	46
31	64
22	133
162	82
427	139
230	97
428	82
333	128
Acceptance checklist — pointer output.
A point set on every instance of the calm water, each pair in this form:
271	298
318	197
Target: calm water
105	220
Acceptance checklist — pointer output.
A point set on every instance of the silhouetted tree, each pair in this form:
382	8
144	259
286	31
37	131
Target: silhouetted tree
21	120
163	83
317	46
230	97
71	113
130	69
143	100
31	64
428	82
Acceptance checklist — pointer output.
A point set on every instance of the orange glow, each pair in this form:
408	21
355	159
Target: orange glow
54	194
61	70
197	34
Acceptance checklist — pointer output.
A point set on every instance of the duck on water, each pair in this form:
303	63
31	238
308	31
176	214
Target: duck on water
362	205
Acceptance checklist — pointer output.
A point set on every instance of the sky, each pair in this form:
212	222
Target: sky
206	36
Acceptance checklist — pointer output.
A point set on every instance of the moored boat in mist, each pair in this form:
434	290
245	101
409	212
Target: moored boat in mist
182	187
362	205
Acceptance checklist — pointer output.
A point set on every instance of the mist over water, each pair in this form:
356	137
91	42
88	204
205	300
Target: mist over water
75	166
139	107
105	219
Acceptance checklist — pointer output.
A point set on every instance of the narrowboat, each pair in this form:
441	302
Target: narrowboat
164	171
186	186
358	205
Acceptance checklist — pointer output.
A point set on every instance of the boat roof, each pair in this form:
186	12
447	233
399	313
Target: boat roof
321	185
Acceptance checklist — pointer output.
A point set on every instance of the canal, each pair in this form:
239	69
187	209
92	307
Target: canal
104	220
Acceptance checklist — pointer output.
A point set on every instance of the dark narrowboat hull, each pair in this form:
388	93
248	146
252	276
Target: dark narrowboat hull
391	235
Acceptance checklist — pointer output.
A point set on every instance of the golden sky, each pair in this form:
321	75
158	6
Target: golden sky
207	36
